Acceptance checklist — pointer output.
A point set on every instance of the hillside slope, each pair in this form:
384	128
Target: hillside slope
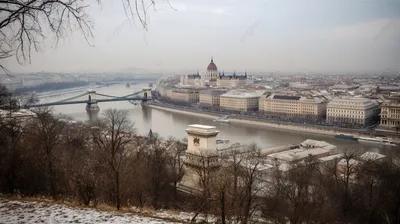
12	211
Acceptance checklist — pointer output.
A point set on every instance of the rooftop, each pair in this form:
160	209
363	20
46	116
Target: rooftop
332	157
352	162
182	90
372	156
213	91
295	155
212	66
242	94
305	149
202	129
352	101
202	126
285	97
303	99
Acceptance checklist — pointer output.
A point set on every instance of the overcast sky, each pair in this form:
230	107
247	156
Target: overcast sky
252	35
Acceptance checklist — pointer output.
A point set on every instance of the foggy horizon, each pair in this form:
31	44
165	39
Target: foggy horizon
261	36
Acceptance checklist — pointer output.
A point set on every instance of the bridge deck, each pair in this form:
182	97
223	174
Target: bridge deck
91	102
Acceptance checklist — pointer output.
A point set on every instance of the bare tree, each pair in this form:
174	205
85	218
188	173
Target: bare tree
250	188
11	134
111	140
290	195
4	95
27	99
222	192
24	24
160	176
83	171
205	169
47	131
177	149
344	175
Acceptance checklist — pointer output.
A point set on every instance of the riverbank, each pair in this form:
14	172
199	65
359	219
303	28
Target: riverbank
282	126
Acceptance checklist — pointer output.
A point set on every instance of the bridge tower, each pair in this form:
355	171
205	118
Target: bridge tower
201	155
146	95
91	105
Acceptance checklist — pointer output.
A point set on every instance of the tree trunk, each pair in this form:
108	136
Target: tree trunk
199	210
222	201
117	190
52	179
11	173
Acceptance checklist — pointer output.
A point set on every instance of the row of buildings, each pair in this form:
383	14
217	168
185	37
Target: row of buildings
335	104
340	110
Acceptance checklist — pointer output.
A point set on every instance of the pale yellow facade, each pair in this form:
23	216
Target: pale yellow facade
390	114
210	97
185	95
232	83
168	93
240	101
293	106
356	111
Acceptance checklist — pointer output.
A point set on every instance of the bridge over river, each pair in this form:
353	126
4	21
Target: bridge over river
167	124
91	98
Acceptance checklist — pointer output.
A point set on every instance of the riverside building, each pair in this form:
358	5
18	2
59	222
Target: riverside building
210	97
292	106
390	113
242	101
352	111
231	80
185	95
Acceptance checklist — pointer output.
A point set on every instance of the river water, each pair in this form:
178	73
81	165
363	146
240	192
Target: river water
169	124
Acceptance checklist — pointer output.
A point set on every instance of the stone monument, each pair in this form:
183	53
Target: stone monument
201	154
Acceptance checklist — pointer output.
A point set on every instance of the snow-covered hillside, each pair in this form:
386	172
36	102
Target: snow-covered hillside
39	212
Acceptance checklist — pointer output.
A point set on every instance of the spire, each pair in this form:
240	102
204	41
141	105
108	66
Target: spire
197	71
212	59
150	135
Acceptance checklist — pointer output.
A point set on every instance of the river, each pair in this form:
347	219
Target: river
169	124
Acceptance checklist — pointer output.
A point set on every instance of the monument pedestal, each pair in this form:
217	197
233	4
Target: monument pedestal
201	157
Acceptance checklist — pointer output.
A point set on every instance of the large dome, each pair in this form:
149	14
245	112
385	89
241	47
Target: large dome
212	66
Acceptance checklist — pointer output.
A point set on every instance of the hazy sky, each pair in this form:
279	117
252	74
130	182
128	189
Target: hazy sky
252	35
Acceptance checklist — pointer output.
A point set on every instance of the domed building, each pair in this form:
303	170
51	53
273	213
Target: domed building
211	74
214	78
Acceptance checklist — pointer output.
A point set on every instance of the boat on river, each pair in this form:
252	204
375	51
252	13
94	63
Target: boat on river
222	120
346	136
128	85
378	140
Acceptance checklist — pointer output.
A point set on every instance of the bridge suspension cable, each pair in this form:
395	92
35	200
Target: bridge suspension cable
105	95
132	94
71	98
100	94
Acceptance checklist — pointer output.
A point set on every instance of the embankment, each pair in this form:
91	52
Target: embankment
283	126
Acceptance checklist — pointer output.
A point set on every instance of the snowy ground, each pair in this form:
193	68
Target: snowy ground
40	212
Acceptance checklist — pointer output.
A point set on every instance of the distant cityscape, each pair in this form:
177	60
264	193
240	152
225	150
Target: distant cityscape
363	101
69	80
353	101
